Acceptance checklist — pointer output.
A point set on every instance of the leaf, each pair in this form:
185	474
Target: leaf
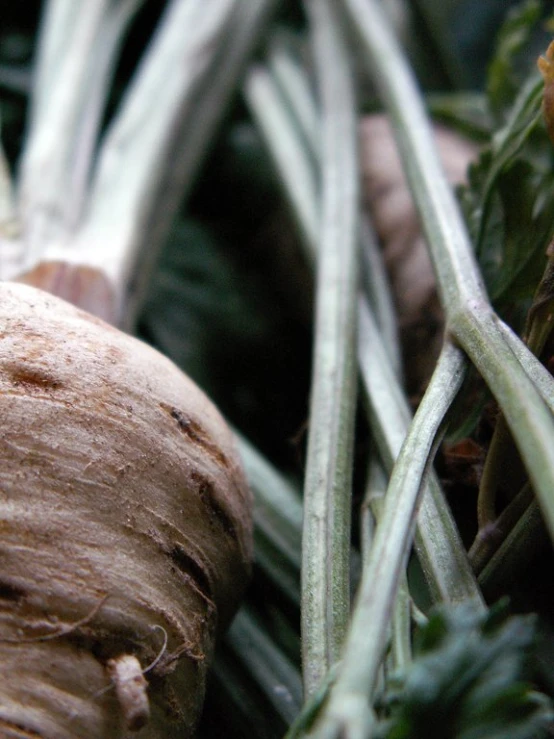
469	679
509	205
507	69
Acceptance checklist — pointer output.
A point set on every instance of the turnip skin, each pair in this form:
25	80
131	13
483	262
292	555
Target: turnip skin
123	508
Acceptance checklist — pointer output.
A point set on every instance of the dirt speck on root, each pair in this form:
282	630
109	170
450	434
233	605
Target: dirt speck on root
32	378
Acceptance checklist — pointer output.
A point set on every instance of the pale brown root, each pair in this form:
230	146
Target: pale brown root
123	508
130	689
86	287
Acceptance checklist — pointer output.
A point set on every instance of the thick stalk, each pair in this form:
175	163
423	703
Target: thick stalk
326	532
78	51
151	152
134	156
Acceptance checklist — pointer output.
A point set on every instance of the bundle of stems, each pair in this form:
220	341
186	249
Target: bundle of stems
320	180
93	207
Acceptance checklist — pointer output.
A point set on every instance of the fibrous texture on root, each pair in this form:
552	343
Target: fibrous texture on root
125	530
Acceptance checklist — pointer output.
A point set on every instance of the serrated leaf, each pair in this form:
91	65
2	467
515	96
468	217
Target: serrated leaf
468	680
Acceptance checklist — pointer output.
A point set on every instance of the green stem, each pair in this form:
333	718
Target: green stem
438	544
536	371
291	88
295	88
372	509
326	533
489	539
288	152
527	416
501	453
277	522
347	712
375	284
524	542
270	668
469	316
498	455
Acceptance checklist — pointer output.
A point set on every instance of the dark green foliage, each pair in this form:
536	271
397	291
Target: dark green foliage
469	680
513	56
509	201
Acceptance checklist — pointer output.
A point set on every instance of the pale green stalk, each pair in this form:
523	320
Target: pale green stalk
347	712
440	549
438	544
375	282
78	51
470	319
372	509
297	172
537	372
327	500
271	670
293	83
277	522
289	76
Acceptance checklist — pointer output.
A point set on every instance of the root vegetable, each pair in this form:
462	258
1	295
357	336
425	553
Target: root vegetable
125	529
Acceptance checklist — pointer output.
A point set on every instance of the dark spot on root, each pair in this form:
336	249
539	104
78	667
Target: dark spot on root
195	433
11	592
215	510
10	730
192	571
32	378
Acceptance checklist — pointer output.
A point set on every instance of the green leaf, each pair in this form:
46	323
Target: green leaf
509	204
507	69
468	680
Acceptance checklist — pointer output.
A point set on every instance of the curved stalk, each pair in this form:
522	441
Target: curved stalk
347	712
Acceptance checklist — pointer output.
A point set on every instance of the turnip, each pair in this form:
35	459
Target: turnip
125	516
125	523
